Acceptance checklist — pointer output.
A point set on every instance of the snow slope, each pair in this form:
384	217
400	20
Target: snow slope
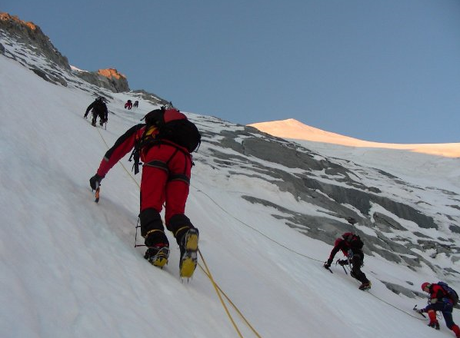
69	268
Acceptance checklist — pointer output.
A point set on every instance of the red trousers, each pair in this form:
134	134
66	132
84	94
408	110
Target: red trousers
166	180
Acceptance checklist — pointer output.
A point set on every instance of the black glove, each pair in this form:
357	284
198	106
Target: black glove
95	181
343	262
327	264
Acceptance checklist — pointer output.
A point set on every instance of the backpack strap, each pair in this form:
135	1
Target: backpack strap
135	154
158	164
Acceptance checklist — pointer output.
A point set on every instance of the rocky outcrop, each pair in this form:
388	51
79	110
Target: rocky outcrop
22	39
151	97
109	78
32	36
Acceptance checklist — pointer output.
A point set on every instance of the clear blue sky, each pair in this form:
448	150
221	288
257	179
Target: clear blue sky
378	70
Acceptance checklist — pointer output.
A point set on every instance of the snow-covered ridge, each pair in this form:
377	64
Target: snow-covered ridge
293	129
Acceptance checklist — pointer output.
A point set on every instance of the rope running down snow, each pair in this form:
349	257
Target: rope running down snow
206	271
291	250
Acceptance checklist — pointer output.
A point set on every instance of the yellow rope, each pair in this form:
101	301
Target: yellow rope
218	294
220	291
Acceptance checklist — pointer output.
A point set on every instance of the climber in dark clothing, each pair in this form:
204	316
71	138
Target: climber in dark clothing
98	108
352	247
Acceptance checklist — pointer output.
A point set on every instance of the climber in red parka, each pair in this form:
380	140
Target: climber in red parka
165	180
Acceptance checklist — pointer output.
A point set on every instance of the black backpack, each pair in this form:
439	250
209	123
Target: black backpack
451	293
174	126
99	106
356	242
353	240
182	132
177	129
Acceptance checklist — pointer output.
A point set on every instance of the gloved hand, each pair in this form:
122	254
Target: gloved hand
327	264
433	300
343	262
95	181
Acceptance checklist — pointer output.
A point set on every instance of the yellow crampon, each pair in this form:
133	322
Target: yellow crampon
160	259
189	258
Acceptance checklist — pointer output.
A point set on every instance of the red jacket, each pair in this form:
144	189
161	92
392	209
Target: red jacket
122	146
437	294
349	248
128	140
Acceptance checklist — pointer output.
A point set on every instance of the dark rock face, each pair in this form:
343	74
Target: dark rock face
28	39
32	36
109	79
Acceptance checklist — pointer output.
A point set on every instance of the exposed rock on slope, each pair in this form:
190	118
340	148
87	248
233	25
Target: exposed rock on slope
106	78
19	36
32	36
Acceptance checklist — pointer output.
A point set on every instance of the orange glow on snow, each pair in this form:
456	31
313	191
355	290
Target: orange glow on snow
293	129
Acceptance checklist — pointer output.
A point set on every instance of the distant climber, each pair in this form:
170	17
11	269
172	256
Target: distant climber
352	247
128	104
439	300
136	104
99	109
